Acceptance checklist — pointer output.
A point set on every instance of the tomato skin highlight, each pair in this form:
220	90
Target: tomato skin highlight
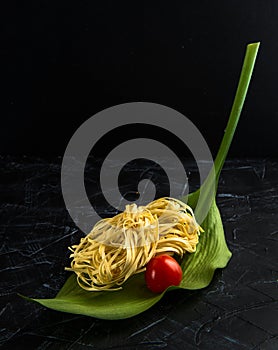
162	271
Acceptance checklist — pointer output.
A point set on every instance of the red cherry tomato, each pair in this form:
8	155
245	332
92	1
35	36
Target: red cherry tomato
162	271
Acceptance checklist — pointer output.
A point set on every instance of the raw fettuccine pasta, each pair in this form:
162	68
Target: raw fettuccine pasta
120	247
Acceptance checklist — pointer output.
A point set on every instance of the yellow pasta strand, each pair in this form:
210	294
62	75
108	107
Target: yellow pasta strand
120	247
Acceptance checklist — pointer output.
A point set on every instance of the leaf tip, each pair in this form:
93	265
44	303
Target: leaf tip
254	47
256	44
24	297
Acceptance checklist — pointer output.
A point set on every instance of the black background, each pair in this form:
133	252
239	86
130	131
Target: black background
63	61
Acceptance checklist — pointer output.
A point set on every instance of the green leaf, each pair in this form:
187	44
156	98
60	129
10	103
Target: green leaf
131	300
241	92
212	251
209	187
134	298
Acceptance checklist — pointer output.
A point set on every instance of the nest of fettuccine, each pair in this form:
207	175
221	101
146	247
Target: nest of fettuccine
120	247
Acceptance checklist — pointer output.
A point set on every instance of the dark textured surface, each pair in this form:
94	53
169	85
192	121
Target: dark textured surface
237	311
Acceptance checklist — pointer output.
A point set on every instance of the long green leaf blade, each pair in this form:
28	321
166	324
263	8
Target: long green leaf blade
244	81
210	185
